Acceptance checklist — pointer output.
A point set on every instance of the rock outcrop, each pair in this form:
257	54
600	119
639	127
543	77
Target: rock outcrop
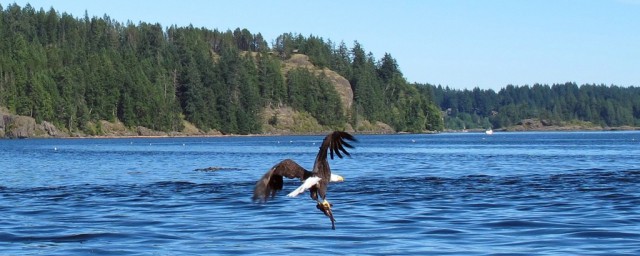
15	126
19	126
341	84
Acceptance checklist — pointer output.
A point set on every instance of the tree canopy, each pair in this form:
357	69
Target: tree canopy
74	72
606	106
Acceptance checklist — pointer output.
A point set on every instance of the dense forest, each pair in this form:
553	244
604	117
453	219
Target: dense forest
599	105
74	72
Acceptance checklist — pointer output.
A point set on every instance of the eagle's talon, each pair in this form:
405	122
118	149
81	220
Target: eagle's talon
325	207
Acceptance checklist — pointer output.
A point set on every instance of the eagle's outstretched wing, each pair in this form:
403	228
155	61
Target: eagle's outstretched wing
335	142
338	143
272	181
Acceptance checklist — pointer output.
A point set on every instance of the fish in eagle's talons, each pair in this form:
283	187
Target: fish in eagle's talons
316	181
325	207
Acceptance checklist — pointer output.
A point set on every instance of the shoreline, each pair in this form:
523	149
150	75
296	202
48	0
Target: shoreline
501	130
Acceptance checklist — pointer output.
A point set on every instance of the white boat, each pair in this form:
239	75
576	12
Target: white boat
488	132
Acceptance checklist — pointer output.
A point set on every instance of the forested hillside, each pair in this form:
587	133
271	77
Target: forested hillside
554	105
75	72
81	74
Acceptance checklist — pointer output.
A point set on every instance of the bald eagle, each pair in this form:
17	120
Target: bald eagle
316	181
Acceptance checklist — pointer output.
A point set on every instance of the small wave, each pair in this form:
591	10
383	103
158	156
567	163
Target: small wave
489	205
596	189
398	221
174	184
605	234
65	238
443	231
217	168
517	224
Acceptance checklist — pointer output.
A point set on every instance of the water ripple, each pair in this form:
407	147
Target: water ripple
439	195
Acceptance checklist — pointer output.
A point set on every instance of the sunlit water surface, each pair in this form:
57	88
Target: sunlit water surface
456	194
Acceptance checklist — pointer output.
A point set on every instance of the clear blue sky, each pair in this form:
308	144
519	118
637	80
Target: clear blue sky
456	43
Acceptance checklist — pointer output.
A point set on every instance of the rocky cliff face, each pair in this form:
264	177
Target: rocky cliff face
18	126
341	84
14	126
1	126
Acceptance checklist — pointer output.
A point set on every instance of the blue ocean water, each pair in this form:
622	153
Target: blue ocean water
534	193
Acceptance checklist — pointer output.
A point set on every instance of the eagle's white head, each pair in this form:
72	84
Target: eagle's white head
336	178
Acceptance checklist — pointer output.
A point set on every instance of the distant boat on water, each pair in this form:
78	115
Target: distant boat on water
488	132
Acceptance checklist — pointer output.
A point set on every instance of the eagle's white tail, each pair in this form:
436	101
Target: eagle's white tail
310	182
